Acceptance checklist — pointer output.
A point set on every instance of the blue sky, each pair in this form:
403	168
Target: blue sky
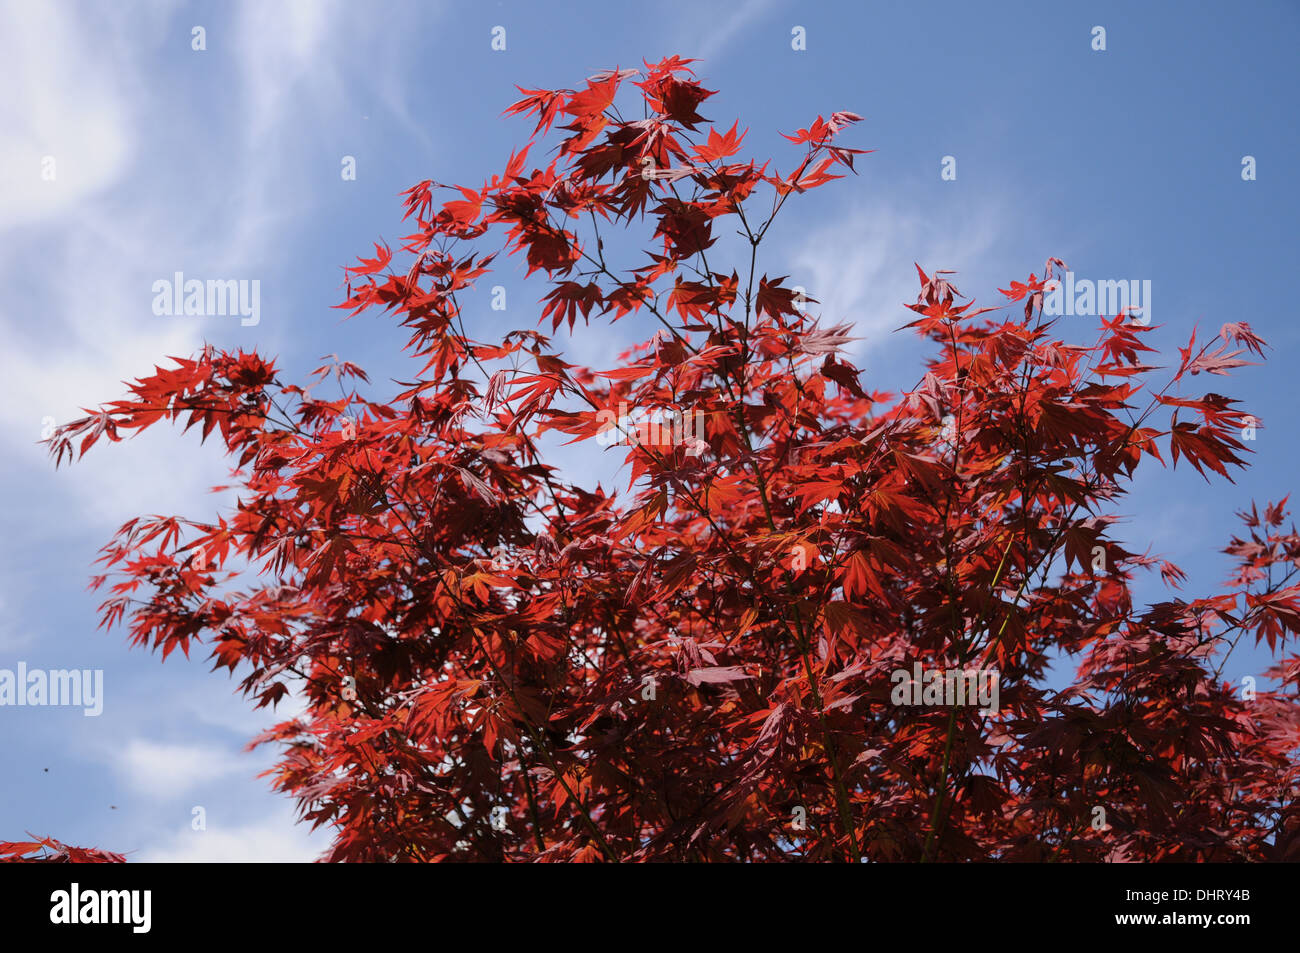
225	163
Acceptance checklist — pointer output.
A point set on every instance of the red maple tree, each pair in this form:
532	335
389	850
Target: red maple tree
502	664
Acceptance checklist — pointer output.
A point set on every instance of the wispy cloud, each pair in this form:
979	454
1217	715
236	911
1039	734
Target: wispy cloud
133	200
859	267
273	840
710	28
67	102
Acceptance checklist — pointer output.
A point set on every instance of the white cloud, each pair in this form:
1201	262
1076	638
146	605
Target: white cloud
273	840
63	100
282	46
147	182
859	268
80	319
165	770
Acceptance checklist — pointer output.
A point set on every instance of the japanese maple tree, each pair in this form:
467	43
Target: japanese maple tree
501	662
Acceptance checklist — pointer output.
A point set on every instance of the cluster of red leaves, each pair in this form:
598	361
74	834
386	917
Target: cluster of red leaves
501	664
47	850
